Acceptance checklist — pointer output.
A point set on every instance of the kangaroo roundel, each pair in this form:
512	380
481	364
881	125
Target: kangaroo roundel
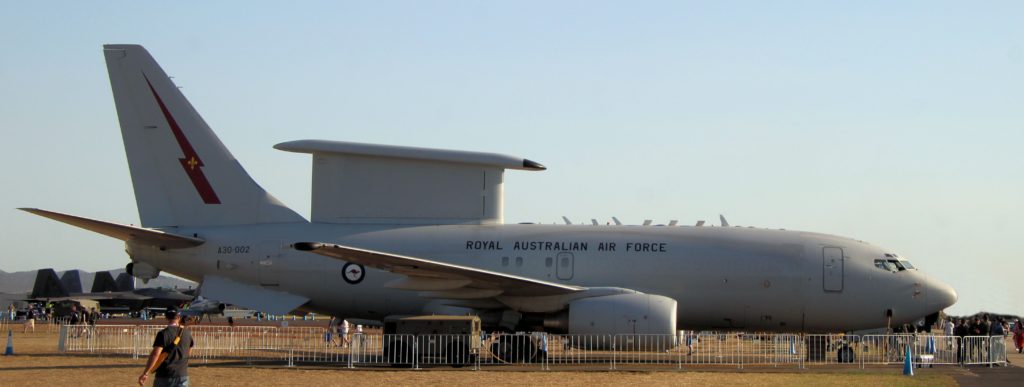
353	273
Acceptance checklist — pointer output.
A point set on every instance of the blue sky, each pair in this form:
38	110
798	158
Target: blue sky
898	123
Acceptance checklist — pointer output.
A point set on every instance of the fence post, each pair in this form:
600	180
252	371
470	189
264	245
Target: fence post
615	350
738	350
416	352
62	341
135	343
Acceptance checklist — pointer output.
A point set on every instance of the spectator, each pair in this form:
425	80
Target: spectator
996	337
30	320
961	330
343	334
175	341
947	327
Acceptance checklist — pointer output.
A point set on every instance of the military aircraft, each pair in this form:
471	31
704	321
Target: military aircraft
405	230
112	295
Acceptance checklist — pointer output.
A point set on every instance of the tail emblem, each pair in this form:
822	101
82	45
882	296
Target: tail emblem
191	162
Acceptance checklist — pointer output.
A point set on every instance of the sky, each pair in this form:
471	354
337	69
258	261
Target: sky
898	123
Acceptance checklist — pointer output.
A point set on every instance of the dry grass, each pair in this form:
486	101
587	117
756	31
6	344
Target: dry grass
36	362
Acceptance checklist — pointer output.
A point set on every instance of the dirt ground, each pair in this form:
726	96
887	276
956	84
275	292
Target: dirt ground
37	362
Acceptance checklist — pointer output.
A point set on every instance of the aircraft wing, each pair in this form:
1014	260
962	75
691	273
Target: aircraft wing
438	279
120	231
128	296
124	296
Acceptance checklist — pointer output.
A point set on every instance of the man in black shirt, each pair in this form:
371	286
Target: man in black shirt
174	343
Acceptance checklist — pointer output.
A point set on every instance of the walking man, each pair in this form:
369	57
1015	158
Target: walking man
169	358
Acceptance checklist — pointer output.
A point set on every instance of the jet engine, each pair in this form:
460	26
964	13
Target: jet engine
142	270
622	316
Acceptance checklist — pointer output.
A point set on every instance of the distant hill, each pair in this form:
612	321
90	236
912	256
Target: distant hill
21	281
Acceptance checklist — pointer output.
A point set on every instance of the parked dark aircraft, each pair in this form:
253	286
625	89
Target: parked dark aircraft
113	296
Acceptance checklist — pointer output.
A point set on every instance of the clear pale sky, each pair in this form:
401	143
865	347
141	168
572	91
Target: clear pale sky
899	123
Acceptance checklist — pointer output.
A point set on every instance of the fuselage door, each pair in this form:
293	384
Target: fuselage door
564	263
832	260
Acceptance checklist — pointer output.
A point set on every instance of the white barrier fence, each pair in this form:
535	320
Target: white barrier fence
318	345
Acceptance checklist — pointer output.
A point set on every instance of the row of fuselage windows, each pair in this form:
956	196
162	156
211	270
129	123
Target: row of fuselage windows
547	261
893	265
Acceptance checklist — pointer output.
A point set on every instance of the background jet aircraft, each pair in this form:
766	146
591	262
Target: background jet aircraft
404	230
112	296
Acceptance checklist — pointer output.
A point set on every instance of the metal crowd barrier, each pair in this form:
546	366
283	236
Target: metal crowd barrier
542	350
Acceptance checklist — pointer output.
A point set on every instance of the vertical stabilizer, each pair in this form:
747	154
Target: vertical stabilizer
182	174
47	285
72	281
104	282
125	282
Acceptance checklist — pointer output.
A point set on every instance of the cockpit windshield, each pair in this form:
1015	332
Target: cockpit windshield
894	263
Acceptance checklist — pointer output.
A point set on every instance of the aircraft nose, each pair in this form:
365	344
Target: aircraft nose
941	295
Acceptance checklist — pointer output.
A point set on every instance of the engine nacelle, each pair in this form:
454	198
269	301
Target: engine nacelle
636	321
142	270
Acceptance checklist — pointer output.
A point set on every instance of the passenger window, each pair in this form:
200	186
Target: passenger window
565	262
504	261
548	261
519	261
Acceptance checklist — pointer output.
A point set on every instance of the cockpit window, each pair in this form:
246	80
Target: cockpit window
893	263
887	265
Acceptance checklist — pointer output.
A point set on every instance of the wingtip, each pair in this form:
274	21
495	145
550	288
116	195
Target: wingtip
533	165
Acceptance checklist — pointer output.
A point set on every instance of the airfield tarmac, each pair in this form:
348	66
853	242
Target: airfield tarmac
37	362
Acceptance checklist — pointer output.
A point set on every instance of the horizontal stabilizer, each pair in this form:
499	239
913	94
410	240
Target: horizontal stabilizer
122	232
248	296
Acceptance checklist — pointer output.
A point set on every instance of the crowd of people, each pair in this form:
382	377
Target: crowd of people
983	325
46	312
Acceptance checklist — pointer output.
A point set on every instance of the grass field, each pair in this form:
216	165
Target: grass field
37	362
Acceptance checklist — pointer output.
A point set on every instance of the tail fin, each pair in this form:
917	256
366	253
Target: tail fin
47	285
182	174
125	282
104	282
72	281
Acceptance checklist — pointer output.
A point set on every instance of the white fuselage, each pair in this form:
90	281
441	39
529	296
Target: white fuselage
722	278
